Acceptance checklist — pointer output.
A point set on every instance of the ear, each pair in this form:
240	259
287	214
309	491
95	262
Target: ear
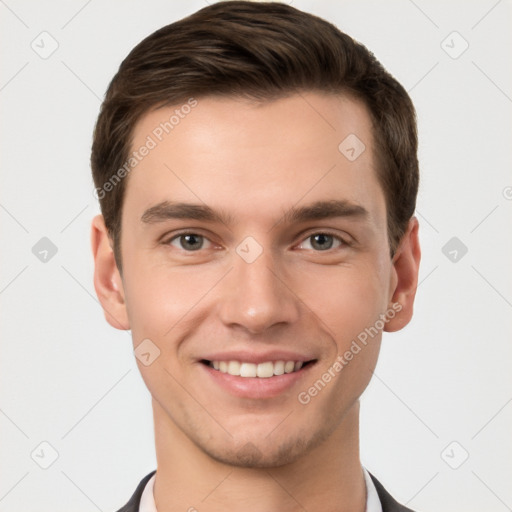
406	264
107	279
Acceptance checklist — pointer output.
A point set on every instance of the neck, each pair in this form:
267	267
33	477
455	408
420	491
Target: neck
327	478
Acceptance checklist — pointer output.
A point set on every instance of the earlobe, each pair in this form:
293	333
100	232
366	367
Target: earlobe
107	279
406	264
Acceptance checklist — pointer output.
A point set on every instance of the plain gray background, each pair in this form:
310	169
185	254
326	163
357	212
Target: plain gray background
437	417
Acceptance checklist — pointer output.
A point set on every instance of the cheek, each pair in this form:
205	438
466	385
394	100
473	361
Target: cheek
348	300
349	304
351	309
163	302
162	306
154	299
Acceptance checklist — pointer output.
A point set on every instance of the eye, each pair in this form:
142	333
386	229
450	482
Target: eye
322	242
189	242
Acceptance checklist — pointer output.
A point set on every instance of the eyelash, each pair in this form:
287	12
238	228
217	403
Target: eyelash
343	242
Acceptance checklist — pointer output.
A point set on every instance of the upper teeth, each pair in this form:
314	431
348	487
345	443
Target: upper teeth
266	369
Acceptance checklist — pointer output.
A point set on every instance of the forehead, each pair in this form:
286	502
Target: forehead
256	156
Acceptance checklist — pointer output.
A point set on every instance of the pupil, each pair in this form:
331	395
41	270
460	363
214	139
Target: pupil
322	242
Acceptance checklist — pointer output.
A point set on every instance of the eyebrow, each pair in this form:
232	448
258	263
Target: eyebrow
167	210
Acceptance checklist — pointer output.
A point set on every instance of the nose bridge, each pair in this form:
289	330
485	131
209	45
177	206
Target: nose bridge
254	296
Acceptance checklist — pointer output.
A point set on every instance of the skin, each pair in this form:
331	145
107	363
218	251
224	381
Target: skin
255	161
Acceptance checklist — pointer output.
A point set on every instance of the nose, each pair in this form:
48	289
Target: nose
255	297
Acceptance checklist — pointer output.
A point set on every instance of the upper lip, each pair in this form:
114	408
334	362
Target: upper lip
257	357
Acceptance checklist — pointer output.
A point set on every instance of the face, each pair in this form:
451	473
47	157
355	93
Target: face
251	243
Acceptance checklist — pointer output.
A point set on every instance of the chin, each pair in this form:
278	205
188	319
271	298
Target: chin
265	453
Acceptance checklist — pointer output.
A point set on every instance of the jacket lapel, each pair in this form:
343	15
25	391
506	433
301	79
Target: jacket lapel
389	504
133	503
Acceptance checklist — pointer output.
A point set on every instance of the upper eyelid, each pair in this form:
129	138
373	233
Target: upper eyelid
168	237
307	233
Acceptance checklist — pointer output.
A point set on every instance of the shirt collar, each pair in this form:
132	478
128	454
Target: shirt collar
372	497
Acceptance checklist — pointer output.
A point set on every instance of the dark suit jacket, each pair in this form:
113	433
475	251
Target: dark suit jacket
388	502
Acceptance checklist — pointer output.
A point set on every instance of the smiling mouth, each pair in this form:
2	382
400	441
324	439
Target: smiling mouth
263	370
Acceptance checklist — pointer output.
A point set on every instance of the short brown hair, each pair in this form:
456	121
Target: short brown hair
260	51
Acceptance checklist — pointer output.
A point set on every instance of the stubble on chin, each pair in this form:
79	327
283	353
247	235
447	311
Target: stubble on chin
266	454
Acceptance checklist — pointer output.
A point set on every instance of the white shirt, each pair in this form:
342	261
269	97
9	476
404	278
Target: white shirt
147	501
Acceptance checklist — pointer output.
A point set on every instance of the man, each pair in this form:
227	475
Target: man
257	175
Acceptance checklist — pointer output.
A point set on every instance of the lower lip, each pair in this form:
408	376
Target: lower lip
256	387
